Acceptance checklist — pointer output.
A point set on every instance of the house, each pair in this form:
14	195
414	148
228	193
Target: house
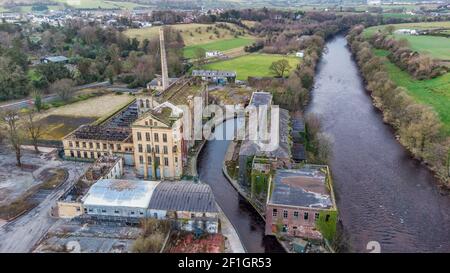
406	31
190	206
301	203
212	54
300	54
55	59
215	76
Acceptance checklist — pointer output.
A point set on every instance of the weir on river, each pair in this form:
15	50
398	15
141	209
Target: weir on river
382	194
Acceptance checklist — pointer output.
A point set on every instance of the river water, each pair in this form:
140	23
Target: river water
382	194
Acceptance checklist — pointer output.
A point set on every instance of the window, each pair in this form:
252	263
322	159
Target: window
111	146
149	148
176	159
146	123
155	215
77	144
141	159
140	148
296	214
165	150
274	212
316	216
166	161
132	213
139	137
285	214
327	218
157	149
91	145
92	155
157	162
85	210
78	154
90	210
147	136
98	145
70	144
149	159
85	154
192	215
119	147
84	144
141	213
164	137
104	146
103	210
116	212
156	137
99	154
305	216
155	123
72	154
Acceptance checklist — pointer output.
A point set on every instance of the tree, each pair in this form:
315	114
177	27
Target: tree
199	53
13	81
279	68
63	88
33	128
37	100
10	120
389	29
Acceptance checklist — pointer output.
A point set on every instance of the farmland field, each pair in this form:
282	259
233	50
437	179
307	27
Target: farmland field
256	65
60	121
437	47
221	45
434	92
193	34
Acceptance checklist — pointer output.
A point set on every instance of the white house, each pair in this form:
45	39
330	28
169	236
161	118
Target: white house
300	54
211	54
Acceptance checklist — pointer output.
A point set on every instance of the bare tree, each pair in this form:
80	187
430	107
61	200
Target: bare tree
10	120
63	88
279	68
33	128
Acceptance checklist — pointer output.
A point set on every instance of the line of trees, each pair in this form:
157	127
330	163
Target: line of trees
417	125
418	65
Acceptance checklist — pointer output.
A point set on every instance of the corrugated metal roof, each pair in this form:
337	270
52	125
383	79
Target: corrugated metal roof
120	193
183	196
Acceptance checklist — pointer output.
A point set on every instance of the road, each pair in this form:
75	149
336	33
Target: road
21	234
48	98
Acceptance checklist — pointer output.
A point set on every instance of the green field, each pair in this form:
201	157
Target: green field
193	34
221	45
434	92
437	47
255	65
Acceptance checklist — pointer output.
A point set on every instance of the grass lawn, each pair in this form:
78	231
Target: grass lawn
221	45
193	34
437	47
256	65
434	92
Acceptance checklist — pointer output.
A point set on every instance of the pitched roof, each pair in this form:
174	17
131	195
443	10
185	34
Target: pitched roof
261	98
183	196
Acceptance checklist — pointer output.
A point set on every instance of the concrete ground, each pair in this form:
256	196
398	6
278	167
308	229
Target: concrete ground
232	243
73	236
22	233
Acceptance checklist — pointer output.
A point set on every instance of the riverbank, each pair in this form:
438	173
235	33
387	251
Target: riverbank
382	194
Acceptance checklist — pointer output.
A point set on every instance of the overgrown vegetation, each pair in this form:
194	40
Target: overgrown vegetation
153	235
417	125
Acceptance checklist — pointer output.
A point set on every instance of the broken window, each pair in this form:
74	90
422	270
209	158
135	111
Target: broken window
84	144
77	144
78	154
327	218
72	154
274	212
91	145
316	216
296	214
305	216
104	146
98	145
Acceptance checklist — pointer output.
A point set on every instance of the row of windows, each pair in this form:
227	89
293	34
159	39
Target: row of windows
105	211
98	146
156	149
155	137
157	160
296	215
85	154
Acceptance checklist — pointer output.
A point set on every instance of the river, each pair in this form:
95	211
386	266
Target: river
382	194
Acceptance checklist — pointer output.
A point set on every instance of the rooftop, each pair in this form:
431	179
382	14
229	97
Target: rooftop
56	59
102	133
304	187
251	148
117	192
183	196
261	98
